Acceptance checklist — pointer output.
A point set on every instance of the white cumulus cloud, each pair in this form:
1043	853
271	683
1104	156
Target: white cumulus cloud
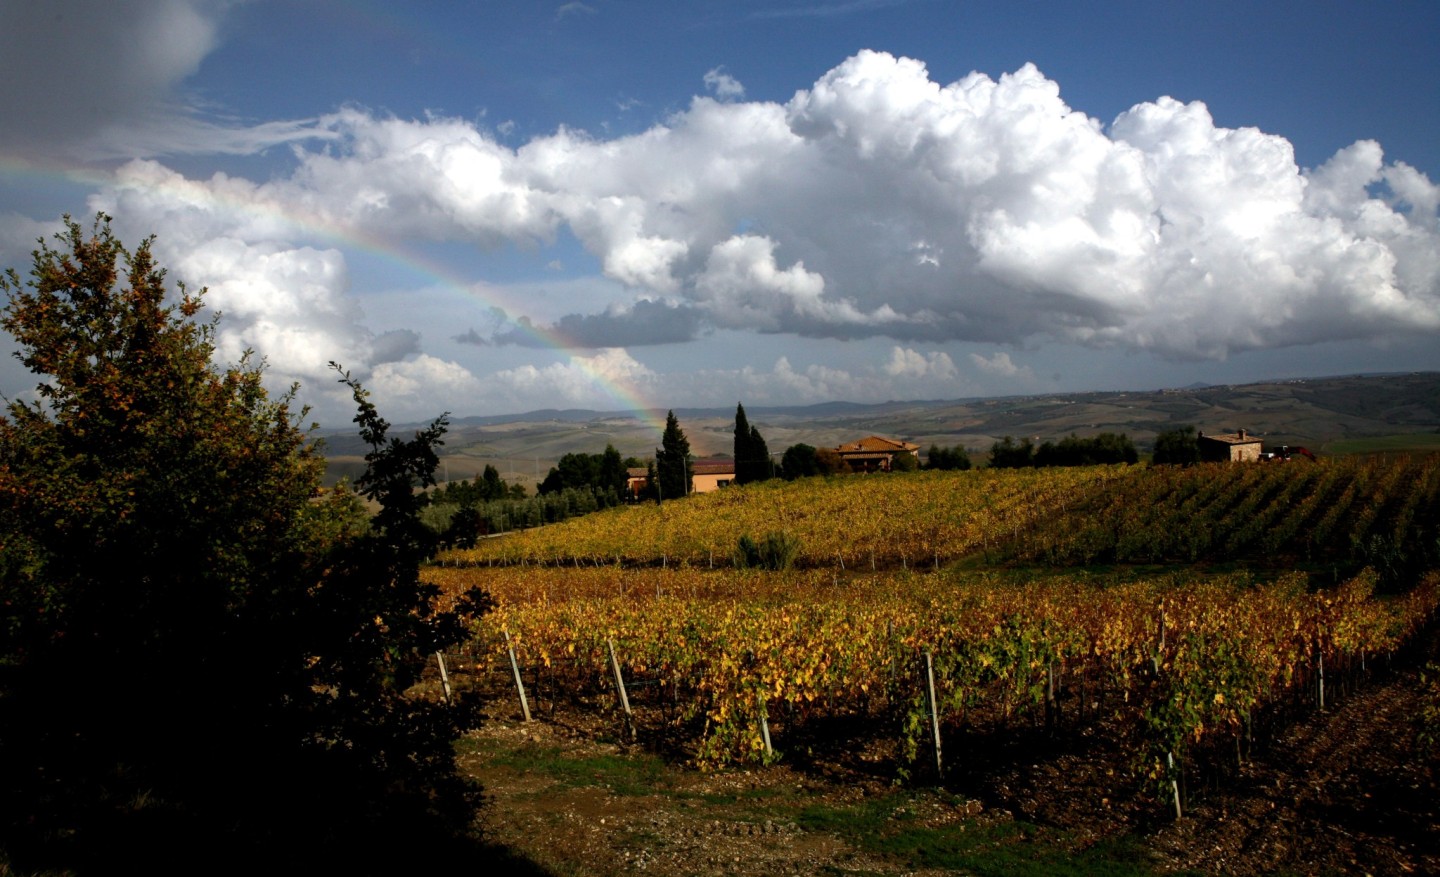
724	86
876	202
1000	365
879	202
908	363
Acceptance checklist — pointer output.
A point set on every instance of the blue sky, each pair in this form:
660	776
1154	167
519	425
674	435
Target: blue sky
498	207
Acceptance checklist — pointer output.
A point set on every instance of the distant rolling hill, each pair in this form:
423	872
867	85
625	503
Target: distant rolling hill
1348	413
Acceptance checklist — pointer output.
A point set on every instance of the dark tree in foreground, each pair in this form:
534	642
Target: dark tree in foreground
674	466
200	653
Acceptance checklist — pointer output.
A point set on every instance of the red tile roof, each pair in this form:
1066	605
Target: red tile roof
876	445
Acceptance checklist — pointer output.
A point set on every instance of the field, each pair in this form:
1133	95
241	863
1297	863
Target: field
1162	629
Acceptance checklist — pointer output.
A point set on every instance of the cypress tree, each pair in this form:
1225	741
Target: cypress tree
673	464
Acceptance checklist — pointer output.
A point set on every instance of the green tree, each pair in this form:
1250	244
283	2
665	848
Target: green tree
799	461
904	463
742	452
752	454
945	459
603	475
1105	448
572	472
674	467
197	647
762	467
492	486
1176	447
1007	454
614	477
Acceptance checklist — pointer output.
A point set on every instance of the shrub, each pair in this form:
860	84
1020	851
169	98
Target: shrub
776	551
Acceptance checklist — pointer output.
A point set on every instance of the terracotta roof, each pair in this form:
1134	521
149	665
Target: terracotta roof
714	467
876	445
705	467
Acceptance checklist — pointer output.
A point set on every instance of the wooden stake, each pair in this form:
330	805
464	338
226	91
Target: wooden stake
1174	783
444	677
519	683
620	688
765	729
934	711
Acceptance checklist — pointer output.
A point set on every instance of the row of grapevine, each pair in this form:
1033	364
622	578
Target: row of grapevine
1188	662
1301	511
1360	510
855	522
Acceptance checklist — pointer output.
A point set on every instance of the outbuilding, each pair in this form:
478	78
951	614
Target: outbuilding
1229	447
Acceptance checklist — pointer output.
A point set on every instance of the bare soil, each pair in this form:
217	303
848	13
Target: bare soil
1345	791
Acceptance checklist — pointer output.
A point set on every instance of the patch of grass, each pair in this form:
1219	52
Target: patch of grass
629	775
894	826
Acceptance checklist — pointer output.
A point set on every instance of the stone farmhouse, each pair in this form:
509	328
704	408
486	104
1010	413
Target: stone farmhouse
1228	447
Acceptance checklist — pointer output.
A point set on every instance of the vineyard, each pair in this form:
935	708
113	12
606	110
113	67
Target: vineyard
1375	511
875	522
928	609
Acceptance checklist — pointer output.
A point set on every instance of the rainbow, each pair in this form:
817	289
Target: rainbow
628	398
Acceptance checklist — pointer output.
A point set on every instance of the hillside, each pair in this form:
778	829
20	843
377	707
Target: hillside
1317	413
1127	669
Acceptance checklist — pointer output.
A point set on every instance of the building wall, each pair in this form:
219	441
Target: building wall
1218	451
1246	453
708	483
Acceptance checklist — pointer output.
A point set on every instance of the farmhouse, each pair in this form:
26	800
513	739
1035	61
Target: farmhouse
705	476
1227	447
710	475
875	454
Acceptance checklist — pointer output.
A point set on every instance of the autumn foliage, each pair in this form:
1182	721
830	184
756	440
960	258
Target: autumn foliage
199	645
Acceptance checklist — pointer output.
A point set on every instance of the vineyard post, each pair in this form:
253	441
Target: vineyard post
765	729
934	705
519	683
444	677
1320	666
620	688
1174	783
